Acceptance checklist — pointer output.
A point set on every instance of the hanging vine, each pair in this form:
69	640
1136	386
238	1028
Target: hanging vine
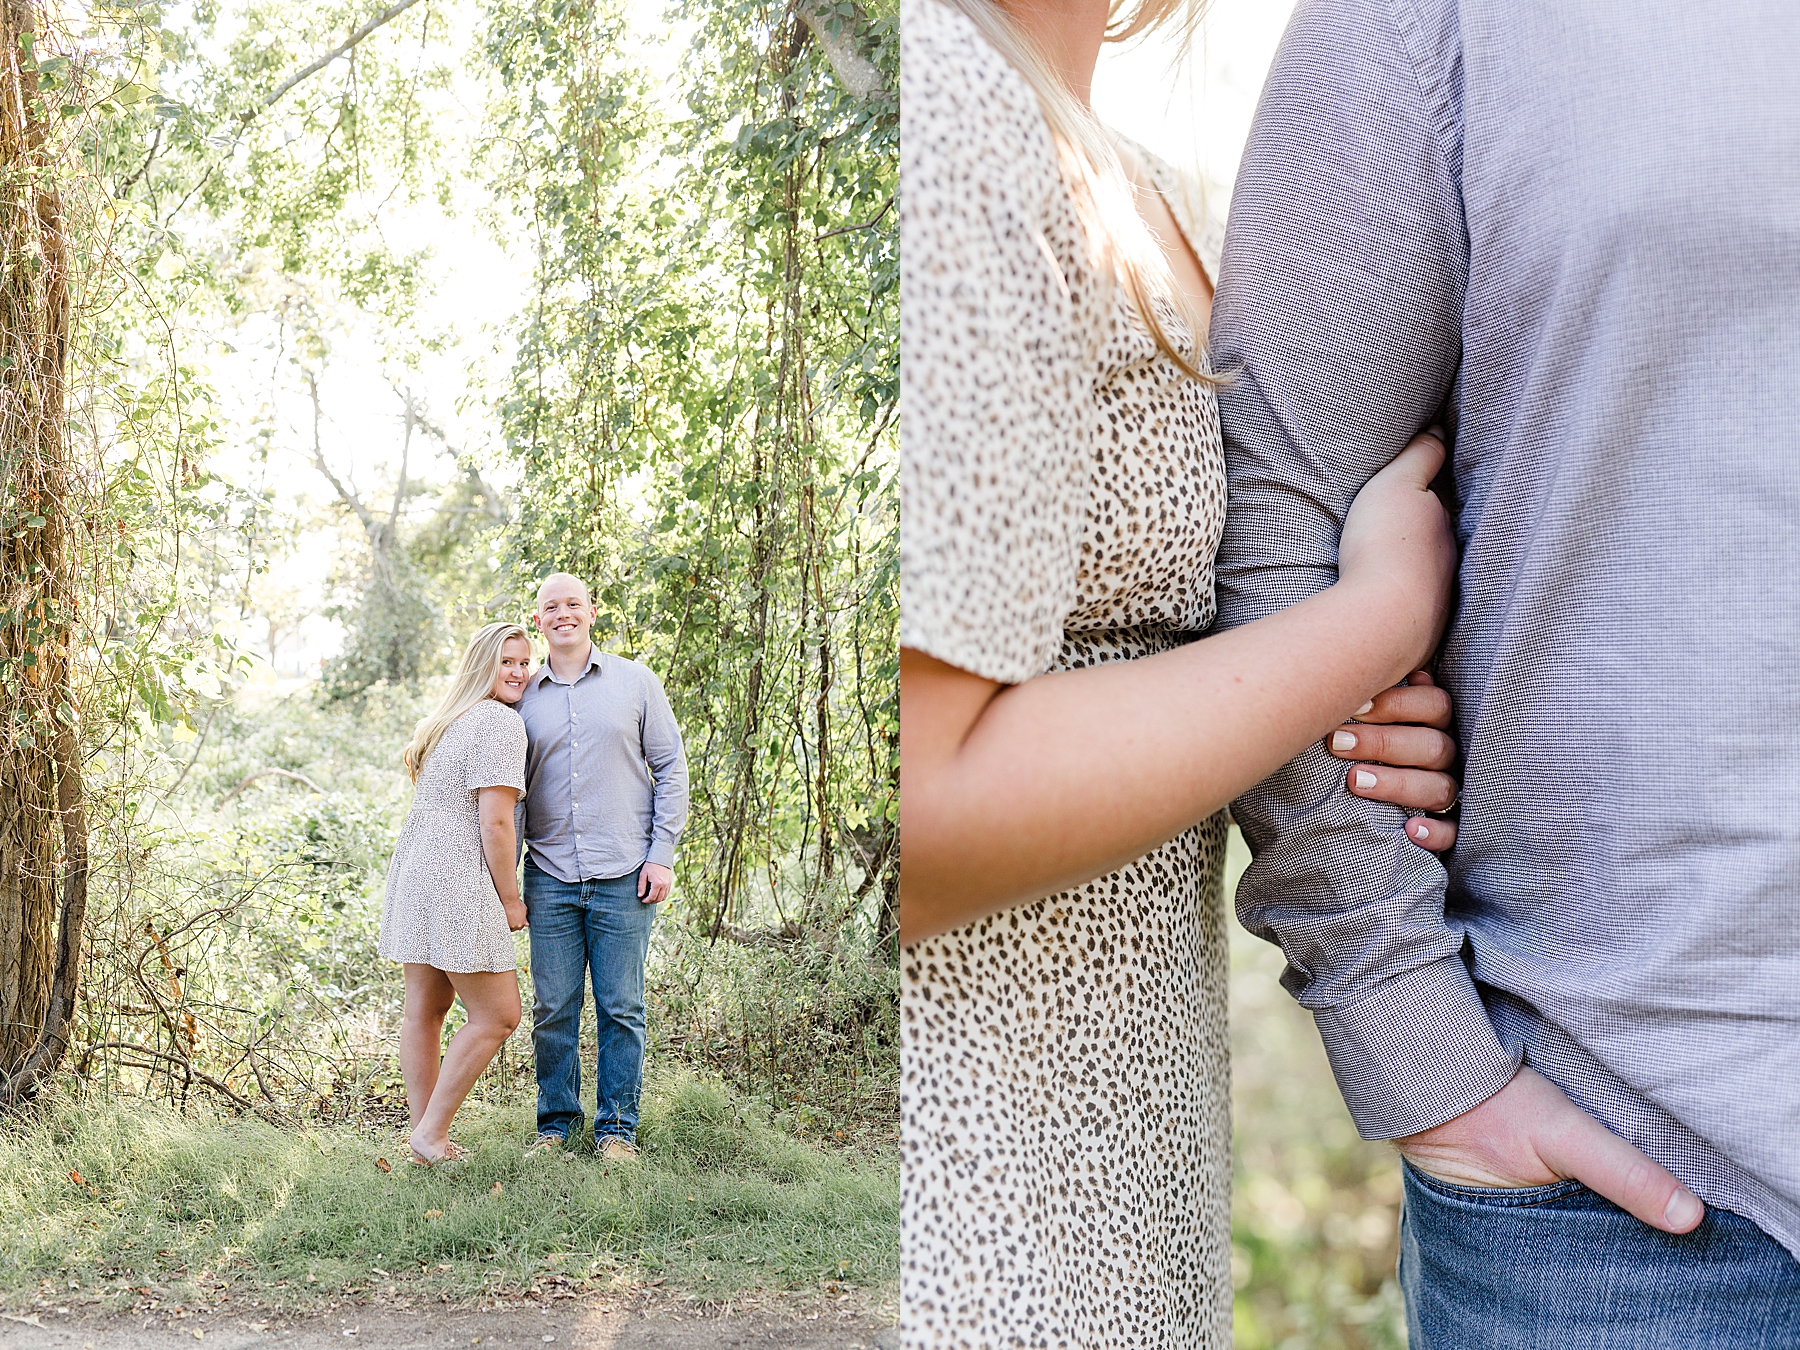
704	413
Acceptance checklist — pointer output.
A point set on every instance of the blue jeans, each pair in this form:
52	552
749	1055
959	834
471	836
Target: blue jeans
577	929
1558	1268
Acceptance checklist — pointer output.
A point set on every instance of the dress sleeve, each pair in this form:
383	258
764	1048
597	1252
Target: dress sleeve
496	756
997	415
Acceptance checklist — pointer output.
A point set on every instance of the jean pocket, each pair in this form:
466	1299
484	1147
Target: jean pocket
1492	1197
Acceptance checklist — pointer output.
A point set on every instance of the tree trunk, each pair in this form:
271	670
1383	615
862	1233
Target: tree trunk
42	820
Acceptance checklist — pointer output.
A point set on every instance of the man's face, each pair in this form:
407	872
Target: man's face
564	614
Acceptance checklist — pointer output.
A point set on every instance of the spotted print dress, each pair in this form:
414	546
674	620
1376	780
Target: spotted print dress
442	909
1065	1132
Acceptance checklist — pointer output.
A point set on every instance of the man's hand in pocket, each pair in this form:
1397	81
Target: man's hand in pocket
1530	1134
654	883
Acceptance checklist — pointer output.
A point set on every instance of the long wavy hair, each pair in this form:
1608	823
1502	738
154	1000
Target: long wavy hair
474	681
1122	243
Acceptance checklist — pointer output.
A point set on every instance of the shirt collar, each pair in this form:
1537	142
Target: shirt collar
542	673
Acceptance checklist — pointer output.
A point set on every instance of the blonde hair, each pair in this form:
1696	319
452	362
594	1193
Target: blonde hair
474	681
1124	247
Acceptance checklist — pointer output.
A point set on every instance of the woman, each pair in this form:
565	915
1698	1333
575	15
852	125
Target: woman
1065	1099
452	887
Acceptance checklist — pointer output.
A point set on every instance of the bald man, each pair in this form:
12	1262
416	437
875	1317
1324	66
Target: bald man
606	795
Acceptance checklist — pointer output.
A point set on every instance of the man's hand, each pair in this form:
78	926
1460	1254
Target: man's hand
1530	1134
654	883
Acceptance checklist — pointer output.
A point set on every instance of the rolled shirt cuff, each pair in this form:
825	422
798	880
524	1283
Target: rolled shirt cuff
1416	1050
662	853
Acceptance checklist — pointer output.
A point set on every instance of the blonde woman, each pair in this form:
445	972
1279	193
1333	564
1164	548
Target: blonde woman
452	887
1067	747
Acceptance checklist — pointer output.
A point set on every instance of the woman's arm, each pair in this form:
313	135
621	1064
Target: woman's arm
1012	792
499	845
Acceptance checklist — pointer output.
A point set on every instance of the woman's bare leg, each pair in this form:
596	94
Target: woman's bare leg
491	999
429	995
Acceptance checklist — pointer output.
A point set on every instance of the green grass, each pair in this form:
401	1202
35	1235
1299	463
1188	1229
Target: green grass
192	1206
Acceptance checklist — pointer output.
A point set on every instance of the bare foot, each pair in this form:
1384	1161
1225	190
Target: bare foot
423	1155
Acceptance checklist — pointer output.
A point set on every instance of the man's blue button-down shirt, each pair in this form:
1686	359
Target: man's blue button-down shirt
606	787
1573	231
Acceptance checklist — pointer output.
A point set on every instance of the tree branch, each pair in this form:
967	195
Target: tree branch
350	499
267	773
185	1065
418	416
387	15
835	36
142	169
393	524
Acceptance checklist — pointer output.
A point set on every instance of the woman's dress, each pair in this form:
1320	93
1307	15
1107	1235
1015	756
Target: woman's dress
1065	1100
442	909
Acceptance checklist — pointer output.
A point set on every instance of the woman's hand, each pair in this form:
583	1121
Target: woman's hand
1397	551
515	914
1402	755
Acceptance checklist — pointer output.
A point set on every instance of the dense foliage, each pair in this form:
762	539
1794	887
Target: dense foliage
703	408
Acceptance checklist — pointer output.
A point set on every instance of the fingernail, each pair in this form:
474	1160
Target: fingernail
1365	779
1683	1211
1343	740
1419	830
1367	707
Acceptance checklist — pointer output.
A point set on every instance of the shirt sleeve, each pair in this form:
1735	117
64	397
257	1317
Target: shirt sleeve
496	757
1339	307
667	758
997	421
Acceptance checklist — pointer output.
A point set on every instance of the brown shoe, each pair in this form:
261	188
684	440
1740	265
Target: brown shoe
615	1149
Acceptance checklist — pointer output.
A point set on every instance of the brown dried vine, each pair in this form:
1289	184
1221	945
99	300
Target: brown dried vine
43	827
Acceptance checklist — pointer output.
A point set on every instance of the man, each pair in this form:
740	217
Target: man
606	796
1570	230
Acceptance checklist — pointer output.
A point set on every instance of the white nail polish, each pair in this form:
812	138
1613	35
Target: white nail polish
1367	707
1421	831
1364	779
1343	740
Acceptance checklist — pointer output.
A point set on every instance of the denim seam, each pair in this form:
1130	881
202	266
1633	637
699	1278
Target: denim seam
1499	1197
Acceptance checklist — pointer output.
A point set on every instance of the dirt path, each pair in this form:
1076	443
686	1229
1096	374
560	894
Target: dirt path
755	1322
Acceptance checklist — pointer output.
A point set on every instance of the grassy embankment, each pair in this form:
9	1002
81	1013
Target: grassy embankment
195	1209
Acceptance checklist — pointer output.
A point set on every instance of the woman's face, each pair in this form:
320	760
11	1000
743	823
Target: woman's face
515	667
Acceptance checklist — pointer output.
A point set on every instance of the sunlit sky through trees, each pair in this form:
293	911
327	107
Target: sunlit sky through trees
479	277
1194	108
